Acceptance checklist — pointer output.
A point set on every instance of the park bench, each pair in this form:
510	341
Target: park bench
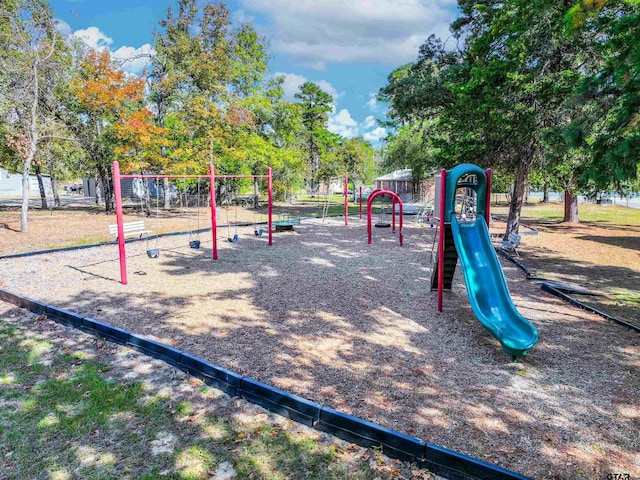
131	229
512	243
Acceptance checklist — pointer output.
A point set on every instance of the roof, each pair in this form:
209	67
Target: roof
405	174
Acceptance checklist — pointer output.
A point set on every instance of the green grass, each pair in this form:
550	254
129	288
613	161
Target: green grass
80	241
65	415
587	213
320	199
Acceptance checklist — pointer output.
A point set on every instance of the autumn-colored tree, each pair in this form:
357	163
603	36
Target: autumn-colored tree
111	120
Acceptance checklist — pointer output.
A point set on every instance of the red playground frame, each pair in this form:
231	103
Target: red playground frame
394	198
117	190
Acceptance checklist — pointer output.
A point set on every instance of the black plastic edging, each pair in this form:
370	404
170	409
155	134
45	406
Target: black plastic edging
363	432
515	262
211	374
444	462
278	401
554	291
456	466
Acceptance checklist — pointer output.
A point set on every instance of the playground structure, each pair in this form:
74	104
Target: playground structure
154	252
394	198
470	242
441	347
345	194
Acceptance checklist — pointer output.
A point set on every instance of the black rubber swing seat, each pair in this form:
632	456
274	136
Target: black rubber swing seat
383	225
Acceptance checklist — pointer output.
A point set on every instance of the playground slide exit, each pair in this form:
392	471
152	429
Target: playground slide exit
487	288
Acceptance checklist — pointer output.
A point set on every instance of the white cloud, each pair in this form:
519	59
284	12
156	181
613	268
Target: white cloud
381	31
372	103
240	16
94	38
375	135
62	27
342	124
369	122
327	87
134	60
292	82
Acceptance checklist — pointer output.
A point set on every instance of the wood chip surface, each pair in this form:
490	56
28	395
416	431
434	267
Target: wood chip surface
354	326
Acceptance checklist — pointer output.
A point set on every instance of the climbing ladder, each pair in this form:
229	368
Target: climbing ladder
450	259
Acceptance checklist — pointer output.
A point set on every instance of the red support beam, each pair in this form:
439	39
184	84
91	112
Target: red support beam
117	193
270	206
346	198
443	187
393	214
487	214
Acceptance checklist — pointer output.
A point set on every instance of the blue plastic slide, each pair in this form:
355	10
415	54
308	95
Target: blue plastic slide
487	288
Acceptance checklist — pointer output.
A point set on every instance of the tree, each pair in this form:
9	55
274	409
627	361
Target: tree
316	105
106	114
606	126
492	102
29	60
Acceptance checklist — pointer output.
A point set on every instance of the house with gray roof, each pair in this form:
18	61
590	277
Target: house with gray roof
401	182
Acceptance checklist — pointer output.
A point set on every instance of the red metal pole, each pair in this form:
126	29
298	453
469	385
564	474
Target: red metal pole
117	193
487	214
369	203
214	222
393	214
360	202
270	207
443	186
400	230
346	198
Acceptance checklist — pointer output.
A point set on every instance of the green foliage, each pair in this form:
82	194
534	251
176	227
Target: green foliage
543	86
315	105
411	147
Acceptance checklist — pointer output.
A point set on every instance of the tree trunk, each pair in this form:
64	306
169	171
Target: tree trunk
256	205
545	193
54	181
25	194
147	196
99	190
167	197
570	207
515	207
43	193
106	189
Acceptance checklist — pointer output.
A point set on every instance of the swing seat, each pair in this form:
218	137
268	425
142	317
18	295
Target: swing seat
194	244
258	233
382	225
233	239
153	253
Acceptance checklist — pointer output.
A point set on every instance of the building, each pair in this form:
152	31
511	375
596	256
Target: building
401	182
11	184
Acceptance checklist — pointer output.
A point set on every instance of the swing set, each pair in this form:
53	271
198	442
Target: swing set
193	243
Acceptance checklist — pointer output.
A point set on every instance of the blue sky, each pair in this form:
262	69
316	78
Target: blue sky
347	47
